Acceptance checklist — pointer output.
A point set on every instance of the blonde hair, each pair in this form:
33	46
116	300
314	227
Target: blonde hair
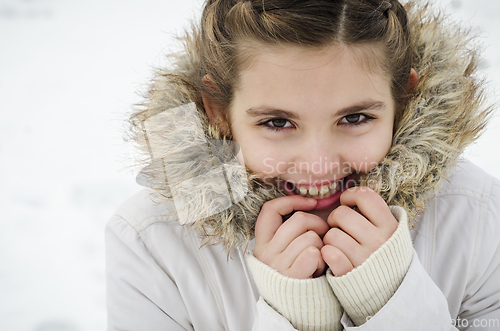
224	40
227	26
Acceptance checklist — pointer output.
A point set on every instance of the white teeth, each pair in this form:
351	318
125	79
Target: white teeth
313	190
324	191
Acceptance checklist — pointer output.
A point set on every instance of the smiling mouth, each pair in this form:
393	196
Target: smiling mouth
314	192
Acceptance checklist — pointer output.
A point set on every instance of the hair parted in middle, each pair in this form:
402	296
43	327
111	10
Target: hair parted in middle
231	31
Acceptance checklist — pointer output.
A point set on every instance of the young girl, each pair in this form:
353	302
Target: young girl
304	174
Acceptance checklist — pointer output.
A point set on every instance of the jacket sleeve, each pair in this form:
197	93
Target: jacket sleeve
134	299
418	304
266	318
480	308
391	290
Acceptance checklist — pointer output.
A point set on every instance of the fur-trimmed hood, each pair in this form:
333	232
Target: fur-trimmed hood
185	159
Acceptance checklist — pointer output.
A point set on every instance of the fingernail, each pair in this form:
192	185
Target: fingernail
311	200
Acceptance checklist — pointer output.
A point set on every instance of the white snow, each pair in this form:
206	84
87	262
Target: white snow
69	73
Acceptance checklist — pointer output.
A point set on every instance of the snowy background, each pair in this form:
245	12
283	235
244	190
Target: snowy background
69	73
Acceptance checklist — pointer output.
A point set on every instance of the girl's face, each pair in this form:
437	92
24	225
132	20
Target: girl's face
313	119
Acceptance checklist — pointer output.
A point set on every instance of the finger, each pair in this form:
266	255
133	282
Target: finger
296	247
344	242
369	203
270	216
297	225
352	223
336	260
307	264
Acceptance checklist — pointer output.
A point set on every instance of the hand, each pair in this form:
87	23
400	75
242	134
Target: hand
354	236
292	247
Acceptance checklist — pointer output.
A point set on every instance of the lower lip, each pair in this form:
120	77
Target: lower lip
326	202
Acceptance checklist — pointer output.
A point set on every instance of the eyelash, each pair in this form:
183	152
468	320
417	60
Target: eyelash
275	128
366	119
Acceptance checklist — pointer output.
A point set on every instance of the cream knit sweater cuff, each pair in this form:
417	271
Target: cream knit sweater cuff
363	291
309	304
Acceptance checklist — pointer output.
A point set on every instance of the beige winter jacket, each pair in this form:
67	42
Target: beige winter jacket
159	279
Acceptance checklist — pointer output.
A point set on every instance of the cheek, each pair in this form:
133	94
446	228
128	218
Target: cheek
260	156
368	152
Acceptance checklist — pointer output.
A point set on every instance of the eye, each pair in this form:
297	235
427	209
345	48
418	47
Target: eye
278	123
355	119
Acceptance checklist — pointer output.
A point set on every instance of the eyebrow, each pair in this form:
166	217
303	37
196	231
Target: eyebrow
364	106
263	111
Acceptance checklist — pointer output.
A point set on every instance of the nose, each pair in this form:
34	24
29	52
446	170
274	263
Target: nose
318	155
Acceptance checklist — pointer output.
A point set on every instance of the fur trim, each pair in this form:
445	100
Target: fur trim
446	113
